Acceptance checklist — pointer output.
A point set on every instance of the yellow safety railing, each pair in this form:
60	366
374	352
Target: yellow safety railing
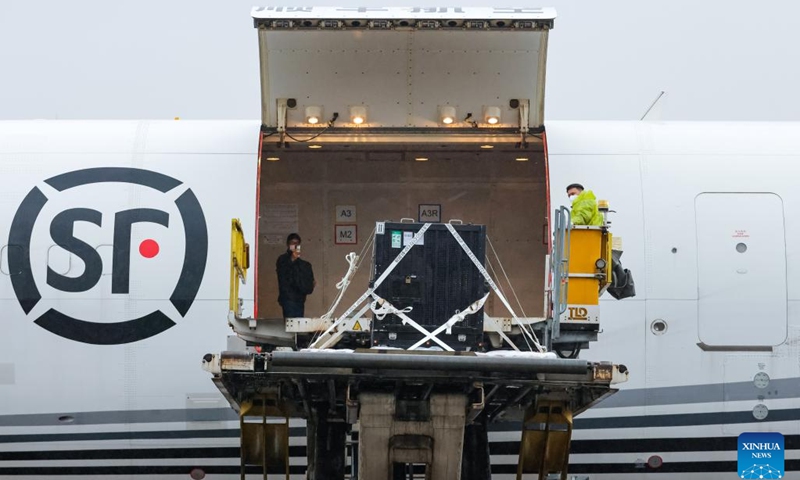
240	262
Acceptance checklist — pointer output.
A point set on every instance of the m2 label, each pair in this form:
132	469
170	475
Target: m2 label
346	235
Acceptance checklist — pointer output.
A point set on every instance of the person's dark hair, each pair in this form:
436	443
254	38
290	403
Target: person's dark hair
293	236
574	185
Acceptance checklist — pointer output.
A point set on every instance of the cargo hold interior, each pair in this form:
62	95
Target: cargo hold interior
301	188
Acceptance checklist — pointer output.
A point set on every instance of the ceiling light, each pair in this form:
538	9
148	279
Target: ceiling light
313	114
358	114
492	115
273	159
315	146
487	147
447	114
522	159
421	159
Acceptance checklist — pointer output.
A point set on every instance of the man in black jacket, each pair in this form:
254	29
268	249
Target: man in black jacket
295	279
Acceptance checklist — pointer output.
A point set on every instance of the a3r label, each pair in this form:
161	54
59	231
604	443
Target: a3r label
430	213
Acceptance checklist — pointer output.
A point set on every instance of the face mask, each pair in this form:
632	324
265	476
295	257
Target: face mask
572	198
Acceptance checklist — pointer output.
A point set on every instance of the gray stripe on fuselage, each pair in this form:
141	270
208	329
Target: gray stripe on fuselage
641	421
707	393
120	416
685	419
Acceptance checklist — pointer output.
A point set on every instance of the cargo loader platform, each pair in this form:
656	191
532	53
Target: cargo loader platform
426	406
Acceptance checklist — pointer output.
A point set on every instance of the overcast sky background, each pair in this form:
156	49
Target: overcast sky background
149	59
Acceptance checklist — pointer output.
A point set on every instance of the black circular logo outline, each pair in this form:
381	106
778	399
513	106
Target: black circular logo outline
183	296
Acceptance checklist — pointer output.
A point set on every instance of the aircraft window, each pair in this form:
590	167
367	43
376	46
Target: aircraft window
658	327
741	247
59	259
6	252
106	251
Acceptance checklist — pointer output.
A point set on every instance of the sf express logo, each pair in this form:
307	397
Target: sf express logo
62	226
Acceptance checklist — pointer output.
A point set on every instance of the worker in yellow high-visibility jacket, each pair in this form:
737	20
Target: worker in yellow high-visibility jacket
584	206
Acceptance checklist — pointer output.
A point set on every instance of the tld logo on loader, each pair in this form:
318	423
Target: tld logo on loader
578	313
62	230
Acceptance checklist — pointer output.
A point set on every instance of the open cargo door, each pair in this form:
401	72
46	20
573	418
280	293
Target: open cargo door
389	113
403	67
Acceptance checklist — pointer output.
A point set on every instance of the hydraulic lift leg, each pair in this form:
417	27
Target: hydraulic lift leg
475	463
436	441
375	421
326	441
448	412
546	434
264	437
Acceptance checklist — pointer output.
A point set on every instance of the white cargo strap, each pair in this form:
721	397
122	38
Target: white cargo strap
333	338
448	325
377	283
381	311
473	308
491	283
352	262
408	321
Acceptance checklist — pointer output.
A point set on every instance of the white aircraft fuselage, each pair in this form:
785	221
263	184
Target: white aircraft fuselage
114	276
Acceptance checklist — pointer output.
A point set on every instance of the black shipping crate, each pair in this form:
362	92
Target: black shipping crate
437	279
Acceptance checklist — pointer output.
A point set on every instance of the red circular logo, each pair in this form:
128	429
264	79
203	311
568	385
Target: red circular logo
148	248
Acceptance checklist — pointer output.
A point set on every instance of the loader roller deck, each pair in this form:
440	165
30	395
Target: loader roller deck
302	377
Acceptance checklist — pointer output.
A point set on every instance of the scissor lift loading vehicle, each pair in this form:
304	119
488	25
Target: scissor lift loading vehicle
422	406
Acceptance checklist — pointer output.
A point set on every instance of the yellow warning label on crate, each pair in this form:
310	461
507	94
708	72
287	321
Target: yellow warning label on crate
357	327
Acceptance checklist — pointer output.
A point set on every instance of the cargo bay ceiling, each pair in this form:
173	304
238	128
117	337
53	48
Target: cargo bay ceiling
472	69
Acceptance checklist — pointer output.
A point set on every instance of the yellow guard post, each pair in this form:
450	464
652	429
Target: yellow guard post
240	262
